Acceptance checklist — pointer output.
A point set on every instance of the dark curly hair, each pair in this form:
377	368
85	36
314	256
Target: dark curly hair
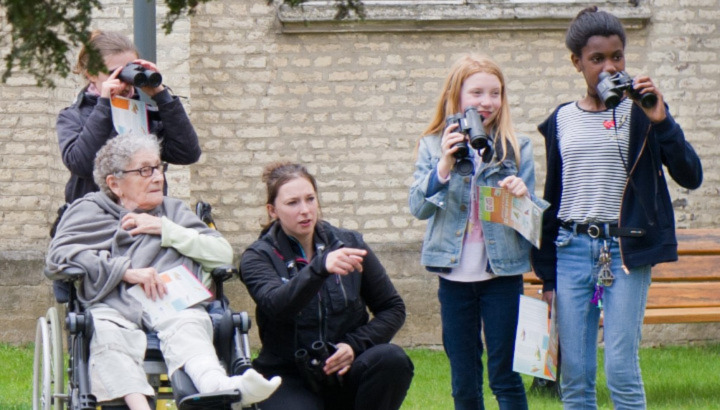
592	22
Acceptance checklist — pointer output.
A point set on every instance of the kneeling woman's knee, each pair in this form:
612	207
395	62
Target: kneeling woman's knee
390	359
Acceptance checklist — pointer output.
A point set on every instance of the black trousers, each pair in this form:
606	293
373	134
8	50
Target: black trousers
378	380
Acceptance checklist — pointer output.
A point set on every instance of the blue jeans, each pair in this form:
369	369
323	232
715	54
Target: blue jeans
623	306
464	308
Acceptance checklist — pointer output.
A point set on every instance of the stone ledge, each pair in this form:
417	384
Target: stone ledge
438	15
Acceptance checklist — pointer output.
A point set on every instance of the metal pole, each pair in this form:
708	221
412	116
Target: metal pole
144	33
144	29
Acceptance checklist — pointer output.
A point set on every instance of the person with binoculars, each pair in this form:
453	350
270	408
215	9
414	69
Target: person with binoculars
611	216
479	263
86	125
313	285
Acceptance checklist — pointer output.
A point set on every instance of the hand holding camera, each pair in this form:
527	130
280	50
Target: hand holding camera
611	89
470	124
311	365
340	361
141	75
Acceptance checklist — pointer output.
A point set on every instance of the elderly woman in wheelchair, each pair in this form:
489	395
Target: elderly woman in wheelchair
124	236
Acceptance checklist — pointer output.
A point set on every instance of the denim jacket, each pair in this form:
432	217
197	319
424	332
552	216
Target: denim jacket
447	209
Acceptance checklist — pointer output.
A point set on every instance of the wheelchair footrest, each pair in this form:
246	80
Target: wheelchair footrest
221	400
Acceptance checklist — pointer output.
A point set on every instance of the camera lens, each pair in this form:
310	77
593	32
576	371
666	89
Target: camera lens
608	91
464	166
154	79
612	100
139	76
463	151
479	142
648	100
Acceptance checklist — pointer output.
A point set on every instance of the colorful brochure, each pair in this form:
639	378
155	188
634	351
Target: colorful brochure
129	115
183	290
536	341
522	214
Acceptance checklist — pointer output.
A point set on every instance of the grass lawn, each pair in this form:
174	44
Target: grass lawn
677	377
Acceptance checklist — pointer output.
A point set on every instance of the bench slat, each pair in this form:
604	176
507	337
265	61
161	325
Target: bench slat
684	295
664	315
669	295
684	315
688	268
698	241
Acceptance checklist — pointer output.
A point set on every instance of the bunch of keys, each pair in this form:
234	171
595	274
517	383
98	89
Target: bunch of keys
605	276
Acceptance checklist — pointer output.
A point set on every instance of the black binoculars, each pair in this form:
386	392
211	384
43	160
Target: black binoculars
471	124
140	76
611	88
311	363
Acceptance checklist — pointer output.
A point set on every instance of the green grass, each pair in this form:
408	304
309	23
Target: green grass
16	377
677	377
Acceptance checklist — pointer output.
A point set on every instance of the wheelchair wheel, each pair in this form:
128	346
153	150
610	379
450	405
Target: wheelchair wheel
48	363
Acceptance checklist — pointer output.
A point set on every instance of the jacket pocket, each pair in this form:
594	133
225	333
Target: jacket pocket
342	293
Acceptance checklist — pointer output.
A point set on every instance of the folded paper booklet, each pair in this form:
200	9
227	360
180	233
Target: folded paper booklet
536	342
183	290
522	214
129	115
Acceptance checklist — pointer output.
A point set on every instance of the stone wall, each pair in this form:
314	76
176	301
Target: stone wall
349	101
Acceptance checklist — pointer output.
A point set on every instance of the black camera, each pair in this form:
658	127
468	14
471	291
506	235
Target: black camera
311	363
610	88
140	76
471	124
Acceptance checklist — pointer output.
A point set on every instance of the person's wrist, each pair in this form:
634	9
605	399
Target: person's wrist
162	95
443	171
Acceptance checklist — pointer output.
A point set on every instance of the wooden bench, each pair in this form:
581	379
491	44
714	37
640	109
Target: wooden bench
686	291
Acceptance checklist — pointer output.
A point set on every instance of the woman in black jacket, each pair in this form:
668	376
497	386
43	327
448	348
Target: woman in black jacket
86	125
313	285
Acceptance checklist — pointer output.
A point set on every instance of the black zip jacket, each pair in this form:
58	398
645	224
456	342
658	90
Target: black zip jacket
299	302
85	126
646	201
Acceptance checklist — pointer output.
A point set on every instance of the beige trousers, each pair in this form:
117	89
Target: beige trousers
117	349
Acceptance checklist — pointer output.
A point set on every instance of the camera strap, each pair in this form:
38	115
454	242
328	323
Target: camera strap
495	149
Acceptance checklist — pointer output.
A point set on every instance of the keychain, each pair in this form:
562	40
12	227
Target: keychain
605	275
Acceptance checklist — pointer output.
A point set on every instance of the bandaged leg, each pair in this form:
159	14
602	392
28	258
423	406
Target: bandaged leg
186	340
254	387
207	374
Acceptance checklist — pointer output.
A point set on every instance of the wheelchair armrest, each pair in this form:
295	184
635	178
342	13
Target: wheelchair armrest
223	273
62	282
220	275
69	274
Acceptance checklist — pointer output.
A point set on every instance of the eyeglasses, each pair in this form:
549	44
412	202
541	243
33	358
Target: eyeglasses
148	171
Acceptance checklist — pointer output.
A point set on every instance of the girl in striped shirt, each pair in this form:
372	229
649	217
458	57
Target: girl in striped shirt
611	216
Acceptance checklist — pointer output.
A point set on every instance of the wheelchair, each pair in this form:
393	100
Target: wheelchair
50	390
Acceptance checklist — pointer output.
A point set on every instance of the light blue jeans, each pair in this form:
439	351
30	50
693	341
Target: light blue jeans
623	306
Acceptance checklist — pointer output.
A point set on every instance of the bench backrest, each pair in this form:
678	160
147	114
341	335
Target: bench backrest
691	282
